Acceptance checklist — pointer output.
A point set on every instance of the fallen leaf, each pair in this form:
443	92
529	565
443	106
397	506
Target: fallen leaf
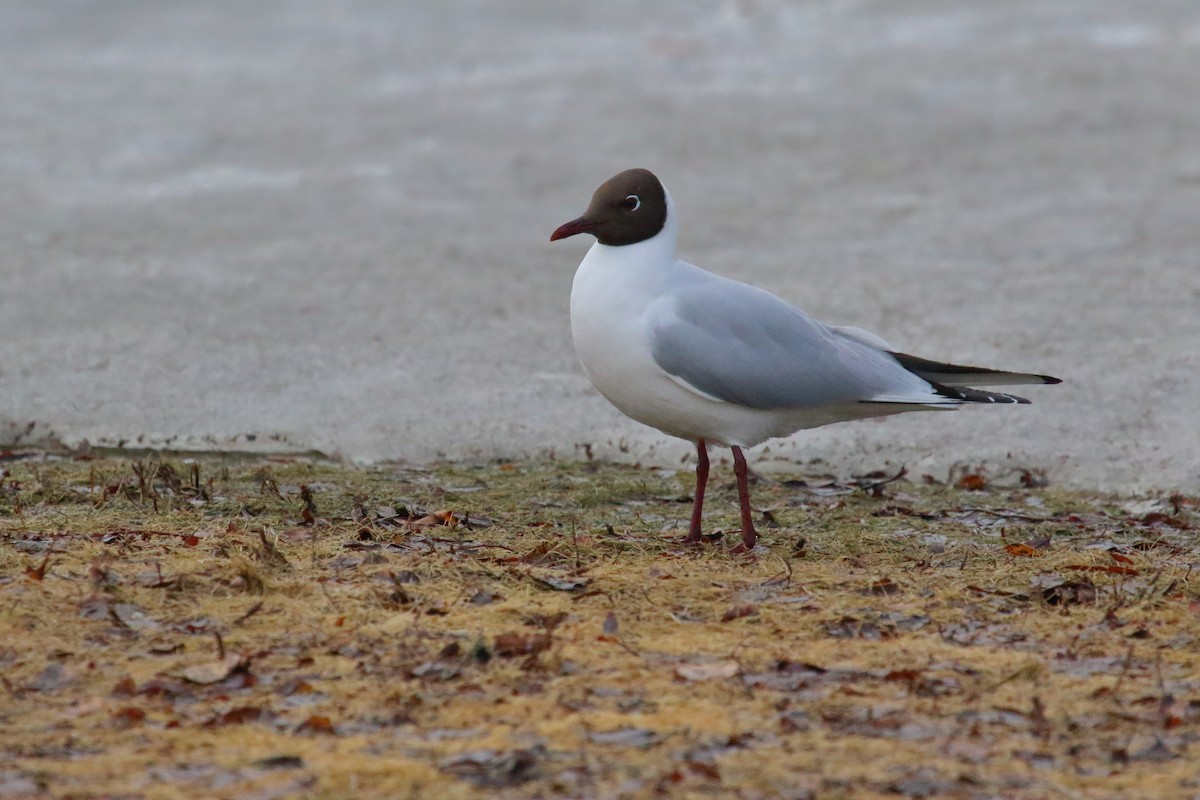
521	644
1159	518
626	737
236	716
1070	593
972	482
883	587
737	612
128	717
279	762
485	597
39	572
54	677
708	671
1022	550
560	583
495	770
316	724
546	621
131	617
215	671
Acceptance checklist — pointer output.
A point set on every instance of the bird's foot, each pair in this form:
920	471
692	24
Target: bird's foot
746	545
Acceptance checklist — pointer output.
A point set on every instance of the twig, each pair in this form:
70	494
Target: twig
254	609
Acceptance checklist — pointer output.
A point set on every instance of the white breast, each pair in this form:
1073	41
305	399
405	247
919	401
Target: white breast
613	291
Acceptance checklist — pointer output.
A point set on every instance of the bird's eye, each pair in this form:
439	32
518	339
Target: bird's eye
631	202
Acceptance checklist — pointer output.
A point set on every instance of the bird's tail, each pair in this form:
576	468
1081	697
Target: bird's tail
957	376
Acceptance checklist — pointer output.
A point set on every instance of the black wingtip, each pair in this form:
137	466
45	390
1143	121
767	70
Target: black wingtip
1050	379
968	395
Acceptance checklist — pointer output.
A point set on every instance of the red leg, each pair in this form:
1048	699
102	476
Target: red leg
693	536
749	535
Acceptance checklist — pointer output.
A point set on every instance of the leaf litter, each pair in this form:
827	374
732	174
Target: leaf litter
278	627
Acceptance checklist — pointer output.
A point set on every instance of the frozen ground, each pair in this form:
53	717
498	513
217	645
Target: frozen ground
308	225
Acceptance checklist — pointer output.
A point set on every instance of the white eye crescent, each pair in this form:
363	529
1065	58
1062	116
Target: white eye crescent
632	202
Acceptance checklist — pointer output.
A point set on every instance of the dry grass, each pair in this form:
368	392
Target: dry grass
284	628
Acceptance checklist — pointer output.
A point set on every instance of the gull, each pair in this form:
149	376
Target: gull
719	362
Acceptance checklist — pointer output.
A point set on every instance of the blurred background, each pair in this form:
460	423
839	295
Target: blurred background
306	225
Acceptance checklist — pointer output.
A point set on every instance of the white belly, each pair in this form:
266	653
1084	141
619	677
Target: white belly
611	337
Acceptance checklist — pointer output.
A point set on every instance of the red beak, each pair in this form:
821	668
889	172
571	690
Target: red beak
581	225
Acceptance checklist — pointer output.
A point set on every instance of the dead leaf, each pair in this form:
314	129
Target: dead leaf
54	677
495	770
972	482
279	762
1022	550
484	597
883	587
130	616
708	671
521	644
215	671
537	555
737	612
1159	518
236	716
548	622
559	583
39	572
316	724
128	716
1070	593
626	737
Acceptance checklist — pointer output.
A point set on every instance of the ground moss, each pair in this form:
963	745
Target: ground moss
176	627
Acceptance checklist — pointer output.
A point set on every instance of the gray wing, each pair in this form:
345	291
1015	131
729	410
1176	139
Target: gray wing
743	345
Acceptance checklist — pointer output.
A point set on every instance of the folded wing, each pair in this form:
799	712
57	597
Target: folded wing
732	342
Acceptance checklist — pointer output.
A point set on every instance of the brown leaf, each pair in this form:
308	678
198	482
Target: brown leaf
1159	518
1022	550
316	724
38	572
737	612
236	716
537	555
972	482
128	717
708	671
443	517
521	644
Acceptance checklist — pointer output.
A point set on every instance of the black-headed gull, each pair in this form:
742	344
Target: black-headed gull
715	361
